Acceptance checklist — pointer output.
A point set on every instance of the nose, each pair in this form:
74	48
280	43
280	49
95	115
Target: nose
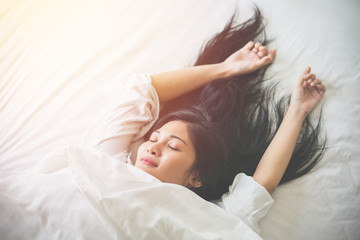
154	149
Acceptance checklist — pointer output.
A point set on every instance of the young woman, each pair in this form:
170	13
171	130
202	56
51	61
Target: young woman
227	126
187	148
216	120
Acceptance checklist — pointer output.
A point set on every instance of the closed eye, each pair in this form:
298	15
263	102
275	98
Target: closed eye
153	137
173	148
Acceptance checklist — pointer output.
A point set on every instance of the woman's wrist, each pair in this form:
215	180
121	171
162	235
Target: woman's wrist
228	70
295	112
222	70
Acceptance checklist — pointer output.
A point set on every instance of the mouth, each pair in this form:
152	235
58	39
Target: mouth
148	161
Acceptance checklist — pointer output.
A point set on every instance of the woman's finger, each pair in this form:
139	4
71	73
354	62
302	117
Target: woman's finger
309	77
265	60
305	84
312	80
263	50
272	53
321	88
256	48
316	83
307	70
249	45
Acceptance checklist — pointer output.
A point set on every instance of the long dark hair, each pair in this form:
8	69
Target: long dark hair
216	50
243	112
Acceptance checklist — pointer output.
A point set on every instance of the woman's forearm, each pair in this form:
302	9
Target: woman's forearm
249	58
277	156
172	84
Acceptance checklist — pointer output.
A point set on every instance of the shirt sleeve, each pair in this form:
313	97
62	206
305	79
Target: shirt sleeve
248	200
126	117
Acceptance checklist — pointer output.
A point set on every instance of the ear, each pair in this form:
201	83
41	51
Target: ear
195	182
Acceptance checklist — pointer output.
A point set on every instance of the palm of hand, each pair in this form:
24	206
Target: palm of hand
249	58
307	98
307	92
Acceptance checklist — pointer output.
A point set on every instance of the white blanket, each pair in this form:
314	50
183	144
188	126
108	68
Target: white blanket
80	194
60	59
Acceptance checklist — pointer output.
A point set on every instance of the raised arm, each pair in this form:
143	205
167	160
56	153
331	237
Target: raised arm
175	83
306	94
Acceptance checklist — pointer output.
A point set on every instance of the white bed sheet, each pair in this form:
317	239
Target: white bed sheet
60	59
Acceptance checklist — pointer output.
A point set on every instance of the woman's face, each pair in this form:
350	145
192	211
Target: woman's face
168	154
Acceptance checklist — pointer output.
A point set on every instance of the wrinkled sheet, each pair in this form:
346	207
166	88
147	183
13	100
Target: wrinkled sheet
60	59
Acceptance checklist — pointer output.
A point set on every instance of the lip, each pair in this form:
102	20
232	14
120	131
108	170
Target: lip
148	161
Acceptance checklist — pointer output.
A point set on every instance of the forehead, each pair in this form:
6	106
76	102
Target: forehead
177	127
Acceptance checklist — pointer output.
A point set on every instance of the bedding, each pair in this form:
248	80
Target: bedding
60	61
76	193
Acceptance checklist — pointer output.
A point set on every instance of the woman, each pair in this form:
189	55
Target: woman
187	148
222	124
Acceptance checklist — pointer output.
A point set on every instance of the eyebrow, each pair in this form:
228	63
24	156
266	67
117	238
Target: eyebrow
173	136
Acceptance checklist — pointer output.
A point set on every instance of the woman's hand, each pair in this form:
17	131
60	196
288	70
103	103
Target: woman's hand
307	93
248	59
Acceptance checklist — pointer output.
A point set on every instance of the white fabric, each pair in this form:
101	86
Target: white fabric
61	58
90	195
126	117
247	200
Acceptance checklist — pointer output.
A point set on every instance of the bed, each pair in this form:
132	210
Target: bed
61	58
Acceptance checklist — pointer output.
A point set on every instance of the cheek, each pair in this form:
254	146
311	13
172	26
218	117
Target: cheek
177	162
174	169
141	150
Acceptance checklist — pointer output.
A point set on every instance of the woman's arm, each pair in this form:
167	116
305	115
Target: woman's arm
175	83
307	93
